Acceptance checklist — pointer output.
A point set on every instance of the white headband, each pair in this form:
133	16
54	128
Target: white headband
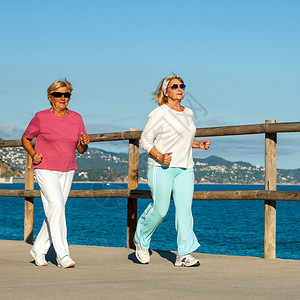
165	84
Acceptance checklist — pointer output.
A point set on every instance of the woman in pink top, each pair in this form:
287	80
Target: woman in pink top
59	132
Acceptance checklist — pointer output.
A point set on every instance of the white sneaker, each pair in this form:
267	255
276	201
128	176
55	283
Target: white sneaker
186	261
65	262
39	259
142	255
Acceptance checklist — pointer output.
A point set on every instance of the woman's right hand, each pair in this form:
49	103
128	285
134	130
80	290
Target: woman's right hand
37	158
165	158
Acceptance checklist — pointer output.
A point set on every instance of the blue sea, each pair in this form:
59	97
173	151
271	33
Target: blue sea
222	227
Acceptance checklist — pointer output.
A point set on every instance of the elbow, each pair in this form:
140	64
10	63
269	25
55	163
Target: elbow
24	139
145	145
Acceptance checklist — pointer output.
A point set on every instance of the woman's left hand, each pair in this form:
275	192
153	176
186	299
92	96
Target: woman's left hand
84	139
204	144
82	145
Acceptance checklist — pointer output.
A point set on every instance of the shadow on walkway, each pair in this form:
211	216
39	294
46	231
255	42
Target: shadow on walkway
168	255
50	256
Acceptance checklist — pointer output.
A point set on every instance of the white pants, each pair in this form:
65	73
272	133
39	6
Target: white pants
55	187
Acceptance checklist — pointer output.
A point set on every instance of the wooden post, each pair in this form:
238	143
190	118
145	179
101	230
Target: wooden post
270	185
29	201
133	165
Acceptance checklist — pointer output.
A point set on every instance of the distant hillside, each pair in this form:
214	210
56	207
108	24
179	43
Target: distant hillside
216	160
111	164
100	165
7	171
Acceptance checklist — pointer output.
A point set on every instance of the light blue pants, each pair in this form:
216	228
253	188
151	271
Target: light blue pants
162	181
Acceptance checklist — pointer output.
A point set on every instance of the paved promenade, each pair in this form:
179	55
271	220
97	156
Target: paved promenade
114	273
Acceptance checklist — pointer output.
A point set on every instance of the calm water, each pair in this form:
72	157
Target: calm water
222	227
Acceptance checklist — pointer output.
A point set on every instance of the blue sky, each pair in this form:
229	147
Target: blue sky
239	59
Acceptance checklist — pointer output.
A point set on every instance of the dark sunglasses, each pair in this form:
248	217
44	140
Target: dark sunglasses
175	86
59	95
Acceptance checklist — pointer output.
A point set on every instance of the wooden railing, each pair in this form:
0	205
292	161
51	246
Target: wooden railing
270	128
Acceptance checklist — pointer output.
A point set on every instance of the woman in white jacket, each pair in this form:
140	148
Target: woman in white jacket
168	137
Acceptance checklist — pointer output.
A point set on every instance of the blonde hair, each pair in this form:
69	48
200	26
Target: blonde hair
159	96
58	84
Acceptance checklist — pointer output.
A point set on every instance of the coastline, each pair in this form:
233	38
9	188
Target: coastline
145	182
21	180
202	183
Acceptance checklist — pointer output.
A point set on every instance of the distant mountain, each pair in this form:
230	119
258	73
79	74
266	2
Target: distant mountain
216	160
8	171
14	156
98	157
100	165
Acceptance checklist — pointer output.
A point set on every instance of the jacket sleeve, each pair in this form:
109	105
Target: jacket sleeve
151	131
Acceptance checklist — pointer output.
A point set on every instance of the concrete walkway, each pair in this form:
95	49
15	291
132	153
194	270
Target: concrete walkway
114	273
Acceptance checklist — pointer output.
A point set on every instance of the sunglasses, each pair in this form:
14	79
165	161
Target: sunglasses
175	86
59	95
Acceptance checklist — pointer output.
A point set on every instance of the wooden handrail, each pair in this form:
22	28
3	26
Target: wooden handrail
200	132
144	194
249	129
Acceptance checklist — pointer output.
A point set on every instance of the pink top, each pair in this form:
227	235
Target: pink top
56	139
